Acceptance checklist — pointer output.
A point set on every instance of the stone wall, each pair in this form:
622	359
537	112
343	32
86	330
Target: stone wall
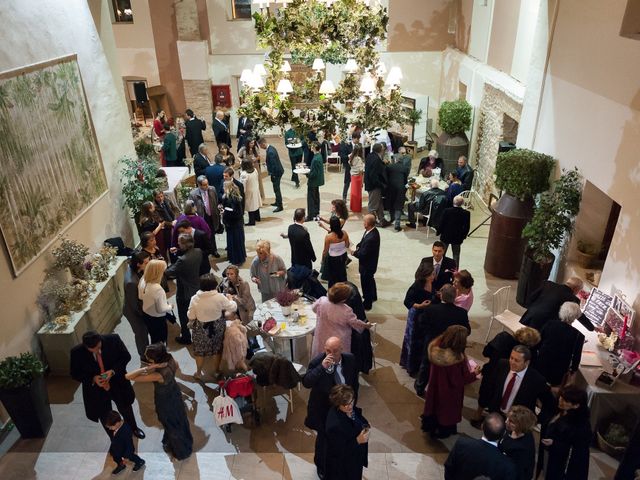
197	93
187	20
495	103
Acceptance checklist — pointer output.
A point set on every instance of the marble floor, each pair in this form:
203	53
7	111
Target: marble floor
281	447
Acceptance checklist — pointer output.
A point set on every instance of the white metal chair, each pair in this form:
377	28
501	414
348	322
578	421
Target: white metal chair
332	161
500	311
426	216
467	205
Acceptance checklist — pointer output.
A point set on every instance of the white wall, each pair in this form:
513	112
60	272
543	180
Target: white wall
481	19
524	45
64	28
590	118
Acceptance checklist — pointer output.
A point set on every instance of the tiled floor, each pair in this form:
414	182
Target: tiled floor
281	447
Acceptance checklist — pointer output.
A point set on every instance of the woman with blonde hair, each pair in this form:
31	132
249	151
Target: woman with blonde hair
233	218
450	372
267	271
518	443
154	300
334	318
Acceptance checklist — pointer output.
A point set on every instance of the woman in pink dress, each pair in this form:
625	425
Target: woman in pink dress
335	319
463	281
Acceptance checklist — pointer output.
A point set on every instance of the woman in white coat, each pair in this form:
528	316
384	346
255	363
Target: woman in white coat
249	178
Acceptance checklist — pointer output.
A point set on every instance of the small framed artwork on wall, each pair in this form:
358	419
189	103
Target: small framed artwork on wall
221	95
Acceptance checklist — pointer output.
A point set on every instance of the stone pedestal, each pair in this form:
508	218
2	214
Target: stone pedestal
197	94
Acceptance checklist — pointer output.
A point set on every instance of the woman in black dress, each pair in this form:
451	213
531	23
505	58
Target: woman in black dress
347	436
518	443
419	296
233	218
167	397
564	442
336	243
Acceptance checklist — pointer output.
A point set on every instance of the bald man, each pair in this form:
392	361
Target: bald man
332	367
367	253
544	304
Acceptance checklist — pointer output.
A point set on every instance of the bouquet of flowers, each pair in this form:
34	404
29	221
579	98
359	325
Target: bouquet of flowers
286	297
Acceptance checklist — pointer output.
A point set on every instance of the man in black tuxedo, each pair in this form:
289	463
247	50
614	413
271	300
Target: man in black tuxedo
431	322
275	169
344	152
544	304
326	370
302	252
186	271
100	363
471	458
205	199
132	306
454	227
221	130
443	267
367	253
242	121
375	182
201	160
200	240
194	127
515	382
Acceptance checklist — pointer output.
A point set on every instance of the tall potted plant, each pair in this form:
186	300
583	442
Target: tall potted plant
139	179
454	119
24	395
552	222
520	174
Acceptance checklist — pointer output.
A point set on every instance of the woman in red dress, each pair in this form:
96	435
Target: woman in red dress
158	124
356	162
450	372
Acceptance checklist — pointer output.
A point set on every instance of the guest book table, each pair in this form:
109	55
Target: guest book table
102	312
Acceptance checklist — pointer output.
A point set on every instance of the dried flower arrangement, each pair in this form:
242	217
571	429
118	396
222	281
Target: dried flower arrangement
286	297
70	254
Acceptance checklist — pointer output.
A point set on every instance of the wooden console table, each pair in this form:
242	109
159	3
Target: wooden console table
102	313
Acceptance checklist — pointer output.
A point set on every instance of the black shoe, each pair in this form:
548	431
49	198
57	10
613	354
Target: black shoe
274	204
139	433
297	185
410	225
249	224
216	254
119	469
385	223
308	219
279	209
476	423
138	465
183	341
368	307
398	229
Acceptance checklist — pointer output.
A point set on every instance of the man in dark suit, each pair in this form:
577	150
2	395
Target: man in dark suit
517	383
430	323
194	127
544	304
302	252
367	253
201	160
200	240
375	182
100	363
397	175
326	370
132	307
471	458
443	267
344	152
454	227
221	130
205	199
122	444
275	169
215	175
241	127
465	173
186	272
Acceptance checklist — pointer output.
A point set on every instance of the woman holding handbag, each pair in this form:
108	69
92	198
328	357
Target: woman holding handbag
154	301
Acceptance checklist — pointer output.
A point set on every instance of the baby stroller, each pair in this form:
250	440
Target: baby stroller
237	398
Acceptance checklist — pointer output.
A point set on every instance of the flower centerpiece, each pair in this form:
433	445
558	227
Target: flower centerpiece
70	254
285	299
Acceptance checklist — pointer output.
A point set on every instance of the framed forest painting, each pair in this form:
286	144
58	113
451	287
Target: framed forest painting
50	167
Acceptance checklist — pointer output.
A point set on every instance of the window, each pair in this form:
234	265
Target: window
241	9
122	12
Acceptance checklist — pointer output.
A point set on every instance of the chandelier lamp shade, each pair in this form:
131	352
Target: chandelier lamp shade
332	77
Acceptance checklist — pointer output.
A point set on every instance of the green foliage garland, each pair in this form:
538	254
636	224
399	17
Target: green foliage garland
309	29
554	216
523	173
16	372
454	117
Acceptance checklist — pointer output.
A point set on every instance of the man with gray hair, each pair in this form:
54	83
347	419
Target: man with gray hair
437	198
454	227
544	304
201	160
186	271
560	349
205	200
221	129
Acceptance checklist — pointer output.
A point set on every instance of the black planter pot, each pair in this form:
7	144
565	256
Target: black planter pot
450	147
532	276
29	408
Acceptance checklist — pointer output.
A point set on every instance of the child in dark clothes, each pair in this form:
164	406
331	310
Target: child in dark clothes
122	443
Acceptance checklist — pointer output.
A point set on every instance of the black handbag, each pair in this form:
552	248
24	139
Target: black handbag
171	317
220	229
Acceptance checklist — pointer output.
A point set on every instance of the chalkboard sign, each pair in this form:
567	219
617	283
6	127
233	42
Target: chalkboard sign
597	305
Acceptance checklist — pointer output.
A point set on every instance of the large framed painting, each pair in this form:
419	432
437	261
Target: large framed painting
51	170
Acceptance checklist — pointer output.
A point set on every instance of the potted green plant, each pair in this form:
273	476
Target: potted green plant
24	394
139	179
614	439
520	174
585	253
413	117
454	119
552	222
